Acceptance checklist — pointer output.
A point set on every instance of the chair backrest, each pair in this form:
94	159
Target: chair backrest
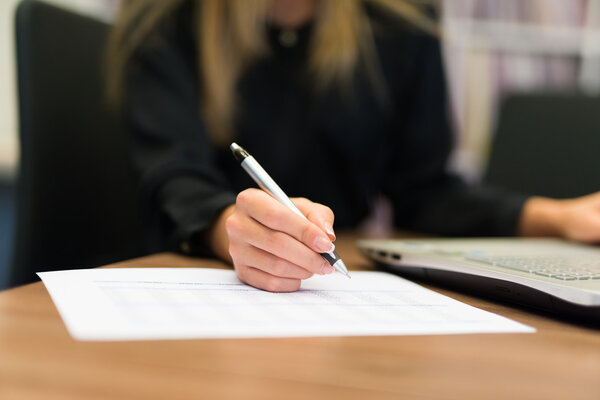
76	190
547	144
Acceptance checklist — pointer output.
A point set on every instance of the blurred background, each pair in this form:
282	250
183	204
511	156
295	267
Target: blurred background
496	48
9	146
492	49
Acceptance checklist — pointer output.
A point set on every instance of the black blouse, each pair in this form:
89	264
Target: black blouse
340	148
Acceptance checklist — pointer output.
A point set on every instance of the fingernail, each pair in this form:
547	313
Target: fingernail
329	229
327	269
323	244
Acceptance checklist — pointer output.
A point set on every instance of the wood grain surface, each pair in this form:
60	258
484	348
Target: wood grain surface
38	358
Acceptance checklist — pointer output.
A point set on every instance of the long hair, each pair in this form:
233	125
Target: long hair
232	34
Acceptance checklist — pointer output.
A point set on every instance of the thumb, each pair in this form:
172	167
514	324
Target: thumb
320	215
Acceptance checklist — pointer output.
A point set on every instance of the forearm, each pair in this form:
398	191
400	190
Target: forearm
575	219
186	207
541	216
460	210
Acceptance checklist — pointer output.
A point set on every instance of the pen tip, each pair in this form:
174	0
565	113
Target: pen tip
341	268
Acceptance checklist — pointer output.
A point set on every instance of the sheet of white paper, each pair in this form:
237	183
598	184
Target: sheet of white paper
177	303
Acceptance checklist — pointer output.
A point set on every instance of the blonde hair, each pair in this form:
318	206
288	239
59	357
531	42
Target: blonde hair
232	35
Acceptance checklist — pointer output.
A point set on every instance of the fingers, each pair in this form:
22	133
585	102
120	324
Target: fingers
263	280
273	265
274	215
580	218
246	231
272	247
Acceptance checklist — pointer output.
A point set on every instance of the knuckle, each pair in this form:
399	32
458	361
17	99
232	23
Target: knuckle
272	217
233	225
323	212
234	250
243	197
328	212
274	284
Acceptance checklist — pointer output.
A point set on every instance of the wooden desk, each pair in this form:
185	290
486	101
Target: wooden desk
39	359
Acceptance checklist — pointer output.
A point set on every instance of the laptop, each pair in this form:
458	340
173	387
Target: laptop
552	275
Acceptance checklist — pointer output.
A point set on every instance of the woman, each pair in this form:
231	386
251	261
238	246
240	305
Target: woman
339	100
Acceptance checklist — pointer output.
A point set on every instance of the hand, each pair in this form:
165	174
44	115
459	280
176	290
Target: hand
575	219
272	247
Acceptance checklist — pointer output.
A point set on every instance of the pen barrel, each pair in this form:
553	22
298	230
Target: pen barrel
331	257
266	183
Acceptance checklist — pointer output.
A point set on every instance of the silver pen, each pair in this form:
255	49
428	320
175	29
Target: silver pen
266	183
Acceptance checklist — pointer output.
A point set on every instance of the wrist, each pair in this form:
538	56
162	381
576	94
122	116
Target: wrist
541	216
218	240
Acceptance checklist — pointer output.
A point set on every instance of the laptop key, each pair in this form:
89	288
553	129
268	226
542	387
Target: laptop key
544	273
550	267
566	277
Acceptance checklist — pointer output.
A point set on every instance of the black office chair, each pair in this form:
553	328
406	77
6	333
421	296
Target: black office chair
547	144
76	192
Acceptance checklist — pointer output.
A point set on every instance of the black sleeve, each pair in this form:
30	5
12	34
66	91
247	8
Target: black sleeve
182	189
425	196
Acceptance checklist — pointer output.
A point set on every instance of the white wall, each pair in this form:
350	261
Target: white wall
8	112
8	99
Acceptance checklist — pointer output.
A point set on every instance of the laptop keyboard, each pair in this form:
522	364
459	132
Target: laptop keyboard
565	269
